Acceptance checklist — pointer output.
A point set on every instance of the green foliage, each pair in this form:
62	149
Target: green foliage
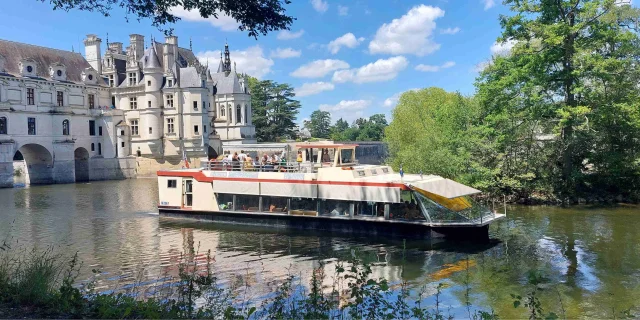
560	111
255	17
362	129
320	124
433	131
274	110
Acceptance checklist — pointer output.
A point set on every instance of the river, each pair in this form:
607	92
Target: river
589	257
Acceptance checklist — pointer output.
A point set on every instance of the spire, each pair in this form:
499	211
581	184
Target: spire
190	44
107	39
227	59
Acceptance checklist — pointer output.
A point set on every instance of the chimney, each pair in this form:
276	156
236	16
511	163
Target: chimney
170	51
115	47
136	42
92	52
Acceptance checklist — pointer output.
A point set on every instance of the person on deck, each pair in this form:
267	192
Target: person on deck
325	155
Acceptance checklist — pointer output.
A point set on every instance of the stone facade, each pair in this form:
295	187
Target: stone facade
105	115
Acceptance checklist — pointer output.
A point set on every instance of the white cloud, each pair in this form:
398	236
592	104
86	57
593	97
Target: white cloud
319	68
502	48
381	70
410	34
288	35
251	60
347	40
488	4
393	100
223	22
481	66
450	30
343	11
309	89
348	110
285	53
430	68
319	5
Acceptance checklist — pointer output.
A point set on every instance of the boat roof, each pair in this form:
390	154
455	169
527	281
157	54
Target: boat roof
326	145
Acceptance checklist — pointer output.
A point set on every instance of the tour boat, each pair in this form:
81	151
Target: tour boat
323	187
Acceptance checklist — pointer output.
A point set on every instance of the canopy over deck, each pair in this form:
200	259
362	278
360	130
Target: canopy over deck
444	187
325	145
257	147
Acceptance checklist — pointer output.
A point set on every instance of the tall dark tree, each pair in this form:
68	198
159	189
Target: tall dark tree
254	16
561	108
274	110
320	124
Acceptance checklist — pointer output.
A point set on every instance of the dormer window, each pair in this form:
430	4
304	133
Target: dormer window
88	76
57	72
28	67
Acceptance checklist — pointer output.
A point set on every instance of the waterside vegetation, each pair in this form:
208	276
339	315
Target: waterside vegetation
555	118
43	284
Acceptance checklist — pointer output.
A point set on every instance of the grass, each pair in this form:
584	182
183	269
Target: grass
40	284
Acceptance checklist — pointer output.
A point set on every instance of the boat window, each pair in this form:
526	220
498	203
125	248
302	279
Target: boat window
335	207
188	193
346	155
172	183
369	209
361	173
247	203
225	201
304	206
275	205
408	209
385	170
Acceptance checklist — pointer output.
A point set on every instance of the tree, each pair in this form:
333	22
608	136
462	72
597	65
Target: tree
274	110
561	108
320	124
433	131
255	16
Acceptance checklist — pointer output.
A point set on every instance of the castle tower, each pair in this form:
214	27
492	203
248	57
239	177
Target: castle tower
92	52
227	59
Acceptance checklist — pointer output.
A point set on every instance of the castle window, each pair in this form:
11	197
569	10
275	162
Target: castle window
93	147
100	130
31	96
169	101
170	125
195	130
246	114
148	104
31	126
65	128
133	78
134	128
150	130
122	144
170	83
3	125
222	111
149	83
195	106
92	127
92	101
59	73
29	69
90	77
133	103
99	148
60	98
111	81
238	114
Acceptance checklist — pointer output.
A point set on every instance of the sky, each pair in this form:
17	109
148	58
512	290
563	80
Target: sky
351	58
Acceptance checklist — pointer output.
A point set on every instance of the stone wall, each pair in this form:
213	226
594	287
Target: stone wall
112	169
148	167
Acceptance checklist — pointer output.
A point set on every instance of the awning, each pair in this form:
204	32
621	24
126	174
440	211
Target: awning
444	188
257	147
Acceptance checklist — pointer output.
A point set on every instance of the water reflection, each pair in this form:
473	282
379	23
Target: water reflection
590	256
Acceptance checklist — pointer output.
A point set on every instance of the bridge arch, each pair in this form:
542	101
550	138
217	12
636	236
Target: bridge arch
81	157
38	163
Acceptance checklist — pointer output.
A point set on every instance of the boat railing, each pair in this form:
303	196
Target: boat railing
253	166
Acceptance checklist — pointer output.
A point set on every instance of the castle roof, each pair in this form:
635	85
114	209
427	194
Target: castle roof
150	59
227	83
14	52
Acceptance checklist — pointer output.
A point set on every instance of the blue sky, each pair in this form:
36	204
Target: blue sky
351	58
